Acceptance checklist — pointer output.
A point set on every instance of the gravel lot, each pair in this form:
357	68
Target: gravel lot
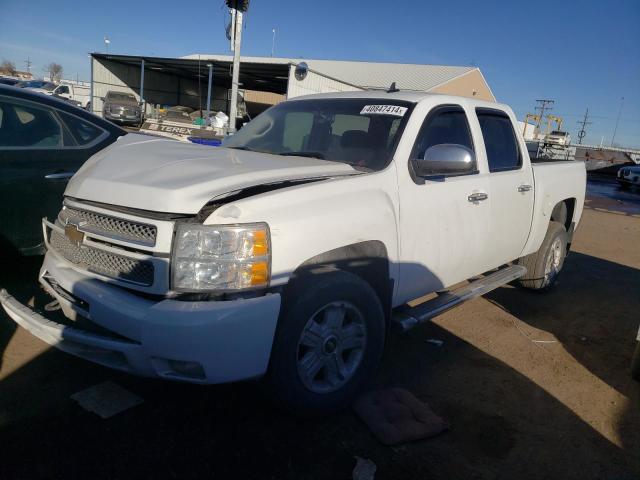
534	386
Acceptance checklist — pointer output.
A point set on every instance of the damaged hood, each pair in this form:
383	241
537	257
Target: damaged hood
160	175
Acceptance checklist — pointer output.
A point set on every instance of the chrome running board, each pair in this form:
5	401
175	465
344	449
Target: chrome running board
408	317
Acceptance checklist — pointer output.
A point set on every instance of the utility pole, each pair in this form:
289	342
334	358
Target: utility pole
583	124
238	7
615	130
544	105
273	42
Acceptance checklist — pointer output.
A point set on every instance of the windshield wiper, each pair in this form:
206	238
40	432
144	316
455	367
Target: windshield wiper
303	154
247	149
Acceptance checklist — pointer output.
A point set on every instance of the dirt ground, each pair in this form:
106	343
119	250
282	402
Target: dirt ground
534	386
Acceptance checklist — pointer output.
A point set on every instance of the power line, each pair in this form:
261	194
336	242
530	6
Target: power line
544	105
615	130
583	124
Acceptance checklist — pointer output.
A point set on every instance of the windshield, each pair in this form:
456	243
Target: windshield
558	132
37	84
123	97
359	132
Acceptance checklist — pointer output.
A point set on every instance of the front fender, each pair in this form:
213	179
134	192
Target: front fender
308	220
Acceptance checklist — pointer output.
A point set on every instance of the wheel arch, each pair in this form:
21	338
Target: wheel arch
368	260
563	212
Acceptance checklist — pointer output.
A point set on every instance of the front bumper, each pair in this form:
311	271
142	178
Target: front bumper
197	342
122	118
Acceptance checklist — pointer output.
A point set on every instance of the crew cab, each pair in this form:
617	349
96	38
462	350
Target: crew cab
290	252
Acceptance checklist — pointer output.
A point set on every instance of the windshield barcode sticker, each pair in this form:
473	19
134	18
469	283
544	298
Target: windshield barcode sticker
384	110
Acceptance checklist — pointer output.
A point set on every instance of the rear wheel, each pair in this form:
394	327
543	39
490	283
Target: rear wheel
543	266
329	342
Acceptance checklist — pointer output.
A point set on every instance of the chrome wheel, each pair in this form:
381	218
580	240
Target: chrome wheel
554	259
331	347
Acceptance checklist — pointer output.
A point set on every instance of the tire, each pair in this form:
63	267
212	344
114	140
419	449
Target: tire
624	186
304	377
542	269
635	363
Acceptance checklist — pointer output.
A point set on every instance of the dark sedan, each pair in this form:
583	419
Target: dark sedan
43	142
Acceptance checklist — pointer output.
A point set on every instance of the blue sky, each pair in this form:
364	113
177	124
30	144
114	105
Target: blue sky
582	54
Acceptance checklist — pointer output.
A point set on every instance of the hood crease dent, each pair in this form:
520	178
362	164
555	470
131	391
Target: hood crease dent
162	175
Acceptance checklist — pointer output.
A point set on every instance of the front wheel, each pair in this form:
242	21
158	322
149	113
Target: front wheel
329	342
543	266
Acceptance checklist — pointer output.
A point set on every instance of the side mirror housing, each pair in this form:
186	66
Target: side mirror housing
446	159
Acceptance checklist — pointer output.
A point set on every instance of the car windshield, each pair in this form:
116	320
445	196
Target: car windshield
558	132
37	84
122	97
360	132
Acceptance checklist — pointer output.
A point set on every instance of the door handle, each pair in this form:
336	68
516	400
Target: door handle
59	175
524	188
477	197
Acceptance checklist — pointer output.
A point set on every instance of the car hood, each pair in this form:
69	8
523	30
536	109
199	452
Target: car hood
161	175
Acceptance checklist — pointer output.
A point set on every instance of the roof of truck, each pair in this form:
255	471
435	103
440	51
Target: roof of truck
406	96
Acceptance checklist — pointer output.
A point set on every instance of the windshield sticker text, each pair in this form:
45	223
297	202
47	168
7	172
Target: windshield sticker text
384	110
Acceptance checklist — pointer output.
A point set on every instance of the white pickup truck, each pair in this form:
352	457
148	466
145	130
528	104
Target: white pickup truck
76	94
289	252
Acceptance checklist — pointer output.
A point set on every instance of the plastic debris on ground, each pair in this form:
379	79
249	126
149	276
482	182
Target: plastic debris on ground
106	399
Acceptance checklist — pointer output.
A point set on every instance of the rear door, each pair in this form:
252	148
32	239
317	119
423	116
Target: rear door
511	192
40	149
443	230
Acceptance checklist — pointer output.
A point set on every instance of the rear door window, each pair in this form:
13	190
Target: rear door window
83	132
28	126
499	140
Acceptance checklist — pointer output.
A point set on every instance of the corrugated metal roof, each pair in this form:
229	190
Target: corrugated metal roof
408	76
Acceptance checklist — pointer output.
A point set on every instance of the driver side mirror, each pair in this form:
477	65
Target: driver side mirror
446	159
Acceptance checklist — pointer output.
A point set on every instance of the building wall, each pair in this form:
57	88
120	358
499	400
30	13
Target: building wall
470	84
315	83
159	88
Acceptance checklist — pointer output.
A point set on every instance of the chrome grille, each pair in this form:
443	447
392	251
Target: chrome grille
103	263
108	226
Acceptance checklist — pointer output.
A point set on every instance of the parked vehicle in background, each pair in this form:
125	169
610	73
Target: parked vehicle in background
121	107
43	142
76	94
289	253
628	177
8	81
557	137
39	86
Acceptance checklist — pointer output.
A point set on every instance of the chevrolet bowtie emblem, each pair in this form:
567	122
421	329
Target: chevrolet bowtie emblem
72	233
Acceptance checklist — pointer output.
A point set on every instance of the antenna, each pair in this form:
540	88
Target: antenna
393	88
582	133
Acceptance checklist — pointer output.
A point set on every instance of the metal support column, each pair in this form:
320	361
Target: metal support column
209	92
233	109
142	87
91	103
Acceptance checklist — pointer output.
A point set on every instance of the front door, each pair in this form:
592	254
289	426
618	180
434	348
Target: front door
444	220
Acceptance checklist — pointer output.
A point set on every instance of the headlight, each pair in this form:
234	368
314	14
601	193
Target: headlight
221	257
